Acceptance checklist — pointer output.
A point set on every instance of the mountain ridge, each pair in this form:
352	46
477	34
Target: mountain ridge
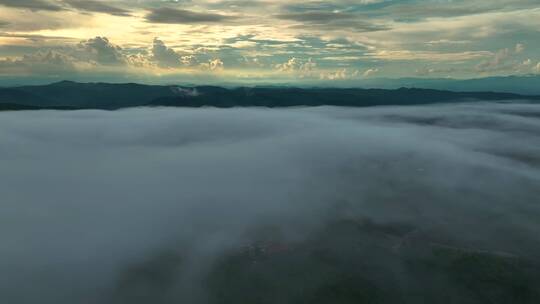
108	96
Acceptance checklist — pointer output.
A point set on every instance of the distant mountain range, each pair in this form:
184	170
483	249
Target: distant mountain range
73	95
518	84
527	85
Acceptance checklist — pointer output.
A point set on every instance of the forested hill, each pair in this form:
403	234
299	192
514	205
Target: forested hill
72	95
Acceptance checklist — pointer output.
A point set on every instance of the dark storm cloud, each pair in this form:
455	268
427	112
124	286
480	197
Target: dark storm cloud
97	7
88	194
182	16
32	5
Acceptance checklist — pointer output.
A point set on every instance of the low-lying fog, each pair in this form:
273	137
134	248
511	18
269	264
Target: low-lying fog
84	195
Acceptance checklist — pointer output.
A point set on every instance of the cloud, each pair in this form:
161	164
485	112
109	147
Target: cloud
35	37
67	61
165	57
297	65
426	71
213	65
343	58
330	21
370	72
243	44
414	10
502	60
101	51
316	17
298	68
35	5
97	7
291	65
181	16
189	60
392	55
24	21
140	60
483	30
519	48
525	67
447	42
106	193
340	74
498	59
52	63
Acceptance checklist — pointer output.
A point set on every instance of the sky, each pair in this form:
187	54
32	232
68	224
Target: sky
263	41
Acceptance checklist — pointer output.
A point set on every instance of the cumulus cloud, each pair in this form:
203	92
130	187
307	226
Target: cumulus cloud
213	65
88	54
140	60
426	71
504	59
86	195
291	65
519	48
164	56
304	68
370	72
188	60
100	54
51	62
340	74
101	51
526	66
182	16
309	65
346	74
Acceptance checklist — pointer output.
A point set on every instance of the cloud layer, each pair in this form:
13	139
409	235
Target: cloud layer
88	194
181	16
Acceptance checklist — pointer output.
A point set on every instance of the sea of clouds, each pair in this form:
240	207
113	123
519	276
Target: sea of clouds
86	194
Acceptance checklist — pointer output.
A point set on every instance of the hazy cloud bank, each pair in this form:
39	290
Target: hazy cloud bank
87	194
